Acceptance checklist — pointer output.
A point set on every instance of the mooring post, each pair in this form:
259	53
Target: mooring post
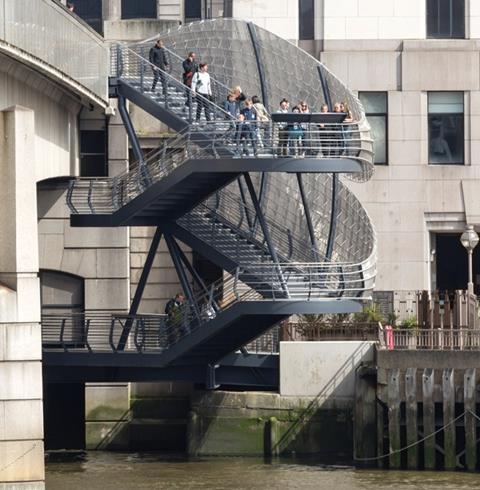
272	437
380	434
411	416
364	437
469	387
448	417
428	419
394	417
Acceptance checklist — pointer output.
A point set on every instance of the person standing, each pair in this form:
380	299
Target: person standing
247	134
158	59
262	121
282	129
190	67
201	85
174	312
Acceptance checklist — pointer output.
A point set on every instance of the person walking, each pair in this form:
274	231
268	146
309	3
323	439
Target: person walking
190	67
158	59
201	86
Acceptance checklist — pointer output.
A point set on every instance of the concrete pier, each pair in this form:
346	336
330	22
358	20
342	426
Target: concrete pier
21	421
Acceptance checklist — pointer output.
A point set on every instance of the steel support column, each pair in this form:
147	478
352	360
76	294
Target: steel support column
140	288
306	208
333	218
244	200
260	65
325	88
191	269
132	136
266	233
182	276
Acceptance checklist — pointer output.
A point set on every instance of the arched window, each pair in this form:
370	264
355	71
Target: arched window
62	300
61	293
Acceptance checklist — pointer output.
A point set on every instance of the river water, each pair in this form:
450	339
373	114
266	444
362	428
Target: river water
108	471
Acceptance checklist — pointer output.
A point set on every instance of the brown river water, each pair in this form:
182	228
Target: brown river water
114	471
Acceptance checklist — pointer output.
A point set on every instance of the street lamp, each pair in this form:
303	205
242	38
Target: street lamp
469	240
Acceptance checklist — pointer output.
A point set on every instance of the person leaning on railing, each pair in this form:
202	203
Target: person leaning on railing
295	136
246	132
174	311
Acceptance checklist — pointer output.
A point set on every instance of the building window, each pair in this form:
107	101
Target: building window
193	10
445	19
376	110
90	11
306	20
445	128
93	153
139	9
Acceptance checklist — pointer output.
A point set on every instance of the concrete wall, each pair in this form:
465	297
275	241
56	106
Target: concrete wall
55	114
325	370
280	17
21	429
409	199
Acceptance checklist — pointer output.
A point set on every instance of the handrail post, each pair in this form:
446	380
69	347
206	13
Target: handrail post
110	336
62	332
85	335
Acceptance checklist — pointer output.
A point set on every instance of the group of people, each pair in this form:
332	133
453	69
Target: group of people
251	128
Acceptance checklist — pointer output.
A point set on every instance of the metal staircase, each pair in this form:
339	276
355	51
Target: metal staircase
289	234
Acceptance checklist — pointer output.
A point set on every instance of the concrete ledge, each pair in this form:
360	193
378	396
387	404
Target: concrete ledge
39	485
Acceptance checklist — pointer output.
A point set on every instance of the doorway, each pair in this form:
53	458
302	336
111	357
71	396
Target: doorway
452	263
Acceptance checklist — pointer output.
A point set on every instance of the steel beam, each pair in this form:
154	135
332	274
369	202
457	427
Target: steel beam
266	233
127	122
147	267
306	208
260	65
182	276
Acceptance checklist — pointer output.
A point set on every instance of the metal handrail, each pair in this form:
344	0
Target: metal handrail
258	282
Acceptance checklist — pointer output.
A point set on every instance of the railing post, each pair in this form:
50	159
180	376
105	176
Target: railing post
62	332
85	335
142	71
110	336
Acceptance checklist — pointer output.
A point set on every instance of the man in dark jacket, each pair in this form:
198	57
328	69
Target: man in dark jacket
174	312
158	59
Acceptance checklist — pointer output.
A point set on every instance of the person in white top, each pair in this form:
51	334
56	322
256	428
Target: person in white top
201	85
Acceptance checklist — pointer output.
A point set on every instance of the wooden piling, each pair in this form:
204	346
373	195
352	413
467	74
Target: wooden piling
365	415
411	417
428	418
448	416
469	389
394	417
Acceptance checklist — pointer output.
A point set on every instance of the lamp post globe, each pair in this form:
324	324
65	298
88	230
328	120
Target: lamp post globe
469	240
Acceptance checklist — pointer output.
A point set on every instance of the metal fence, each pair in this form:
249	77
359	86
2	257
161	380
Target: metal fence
50	33
431	339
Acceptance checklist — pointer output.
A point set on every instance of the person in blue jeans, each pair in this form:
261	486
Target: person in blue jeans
296	134
246	132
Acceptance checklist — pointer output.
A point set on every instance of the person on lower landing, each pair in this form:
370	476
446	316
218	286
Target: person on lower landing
247	131
159	62
174	312
201	86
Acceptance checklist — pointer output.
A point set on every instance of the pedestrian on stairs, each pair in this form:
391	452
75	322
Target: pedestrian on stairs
190	67
159	61
201	85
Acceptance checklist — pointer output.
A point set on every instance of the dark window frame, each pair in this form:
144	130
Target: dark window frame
445	114
379	114
437	35
306	32
87	154
153	10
